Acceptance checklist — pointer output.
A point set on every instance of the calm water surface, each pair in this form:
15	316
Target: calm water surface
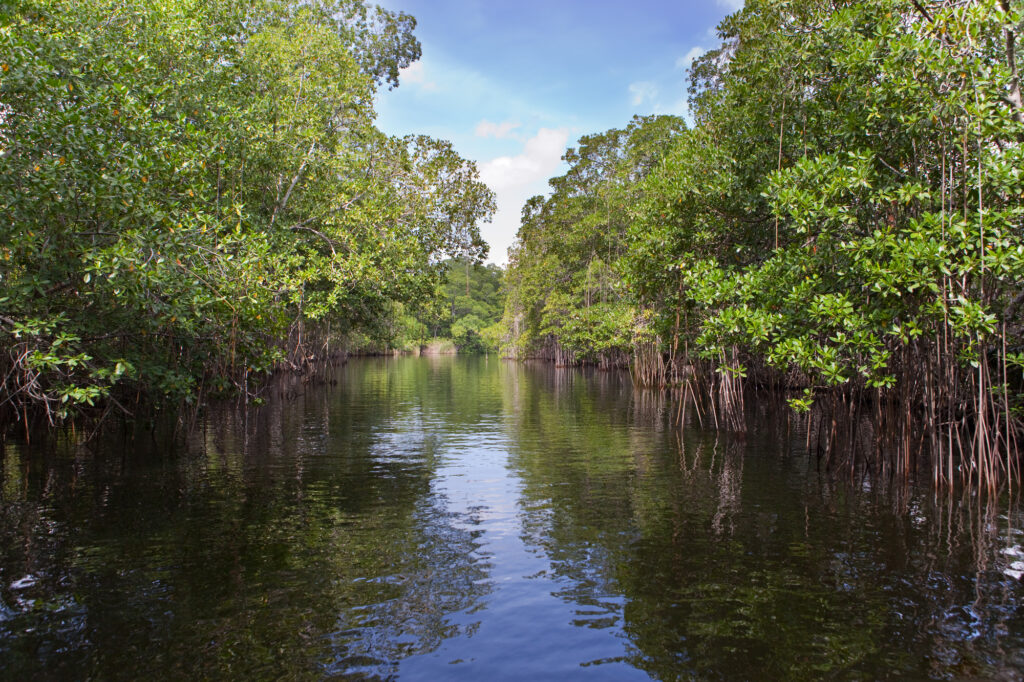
466	518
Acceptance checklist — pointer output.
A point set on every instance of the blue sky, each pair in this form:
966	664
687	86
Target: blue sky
513	83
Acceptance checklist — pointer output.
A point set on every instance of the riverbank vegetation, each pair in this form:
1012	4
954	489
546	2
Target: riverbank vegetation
195	194
462	315
467	308
842	220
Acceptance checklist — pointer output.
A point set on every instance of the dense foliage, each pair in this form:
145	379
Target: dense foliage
845	217
194	192
461	315
467	307
565	298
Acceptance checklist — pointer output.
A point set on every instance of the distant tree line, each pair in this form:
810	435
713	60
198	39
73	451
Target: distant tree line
462	314
468	307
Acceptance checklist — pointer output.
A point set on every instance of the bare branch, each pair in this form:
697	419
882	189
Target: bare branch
1014	97
302	167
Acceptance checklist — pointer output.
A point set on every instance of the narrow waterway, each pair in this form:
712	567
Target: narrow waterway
468	518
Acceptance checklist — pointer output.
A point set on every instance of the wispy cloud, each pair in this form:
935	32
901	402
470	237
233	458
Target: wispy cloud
642	91
648	96
687	59
497	130
677	107
731	5
416	74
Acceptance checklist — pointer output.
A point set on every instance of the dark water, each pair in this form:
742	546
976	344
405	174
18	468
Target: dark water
429	519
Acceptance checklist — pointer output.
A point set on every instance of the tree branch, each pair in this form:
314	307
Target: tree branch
1014	97
284	202
923	11
342	207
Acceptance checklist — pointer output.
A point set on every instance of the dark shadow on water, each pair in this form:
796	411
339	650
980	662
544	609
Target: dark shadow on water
718	555
294	540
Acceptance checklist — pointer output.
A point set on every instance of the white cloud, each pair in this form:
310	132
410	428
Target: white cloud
731	5
499	130
642	91
515	179
416	74
666	95
680	107
648	96
539	160
687	59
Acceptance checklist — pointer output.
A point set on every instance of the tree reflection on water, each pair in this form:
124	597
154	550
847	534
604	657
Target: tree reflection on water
717	556
424	512
298	540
